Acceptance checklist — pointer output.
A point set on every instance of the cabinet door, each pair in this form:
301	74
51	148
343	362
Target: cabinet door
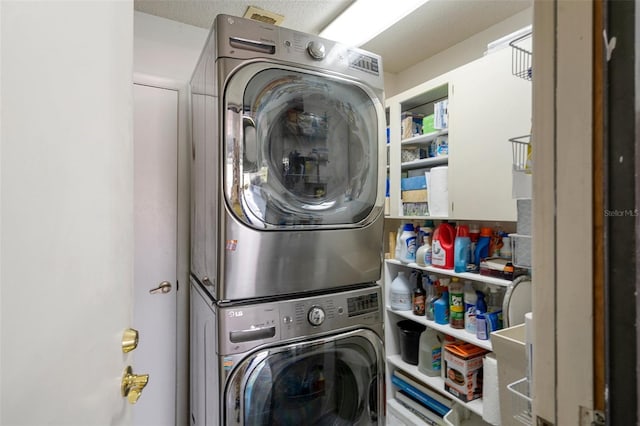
487	106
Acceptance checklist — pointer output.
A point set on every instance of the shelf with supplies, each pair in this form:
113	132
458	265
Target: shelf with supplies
425	162
450	272
458	333
424	138
435	383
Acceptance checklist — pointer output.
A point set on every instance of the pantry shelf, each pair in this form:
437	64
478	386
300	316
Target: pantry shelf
450	272
436	383
426	138
445	328
425	162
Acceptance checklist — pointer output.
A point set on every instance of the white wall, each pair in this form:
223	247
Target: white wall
457	55
66	200
165	48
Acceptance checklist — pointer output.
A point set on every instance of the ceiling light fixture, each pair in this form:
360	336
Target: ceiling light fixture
365	19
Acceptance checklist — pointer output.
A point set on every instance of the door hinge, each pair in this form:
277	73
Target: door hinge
589	417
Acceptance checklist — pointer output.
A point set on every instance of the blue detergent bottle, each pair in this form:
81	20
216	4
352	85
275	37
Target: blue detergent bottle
441	309
461	249
482	247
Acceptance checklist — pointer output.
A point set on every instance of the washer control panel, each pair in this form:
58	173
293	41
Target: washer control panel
243	327
316	315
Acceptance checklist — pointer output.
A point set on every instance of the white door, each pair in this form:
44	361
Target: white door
67	211
155	286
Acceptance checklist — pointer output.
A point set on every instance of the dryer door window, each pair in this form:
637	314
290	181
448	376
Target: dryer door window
335	383
301	150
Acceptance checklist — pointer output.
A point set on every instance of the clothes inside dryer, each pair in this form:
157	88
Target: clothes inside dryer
333	387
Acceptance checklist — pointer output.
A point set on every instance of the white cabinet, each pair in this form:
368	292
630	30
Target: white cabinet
487	106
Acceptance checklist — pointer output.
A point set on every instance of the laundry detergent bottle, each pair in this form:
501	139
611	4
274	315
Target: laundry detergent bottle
442	246
482	248
462	249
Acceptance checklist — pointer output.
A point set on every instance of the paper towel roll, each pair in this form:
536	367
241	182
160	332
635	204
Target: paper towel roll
490	390
438	191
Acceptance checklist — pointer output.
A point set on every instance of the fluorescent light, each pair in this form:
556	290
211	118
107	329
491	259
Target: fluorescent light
365	19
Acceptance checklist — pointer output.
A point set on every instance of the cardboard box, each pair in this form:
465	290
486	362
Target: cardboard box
415	196
463	370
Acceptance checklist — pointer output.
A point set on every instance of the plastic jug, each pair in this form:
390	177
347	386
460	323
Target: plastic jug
430	355
442	246
462	249
482	248
401	293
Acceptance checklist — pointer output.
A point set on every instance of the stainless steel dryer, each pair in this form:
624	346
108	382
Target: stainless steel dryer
287	162
313	360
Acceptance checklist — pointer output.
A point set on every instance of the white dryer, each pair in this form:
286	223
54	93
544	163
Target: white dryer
317	360
288	164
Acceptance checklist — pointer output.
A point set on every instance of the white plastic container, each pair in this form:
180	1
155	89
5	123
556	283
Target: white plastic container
430	355
423	255
470	299
408	244
401	293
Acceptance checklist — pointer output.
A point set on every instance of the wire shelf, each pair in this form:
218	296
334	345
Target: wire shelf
521	57
521	401
521	250
521	148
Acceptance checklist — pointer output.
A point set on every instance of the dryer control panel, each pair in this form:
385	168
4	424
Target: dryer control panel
244	327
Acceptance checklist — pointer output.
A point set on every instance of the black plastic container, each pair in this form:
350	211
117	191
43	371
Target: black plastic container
410	340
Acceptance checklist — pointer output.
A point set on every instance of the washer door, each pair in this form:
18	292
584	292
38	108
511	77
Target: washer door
301	149
336	381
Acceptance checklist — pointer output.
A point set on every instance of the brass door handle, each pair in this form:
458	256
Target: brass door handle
132	385
164	287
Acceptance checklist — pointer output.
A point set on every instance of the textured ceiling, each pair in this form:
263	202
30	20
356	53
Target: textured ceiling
432	28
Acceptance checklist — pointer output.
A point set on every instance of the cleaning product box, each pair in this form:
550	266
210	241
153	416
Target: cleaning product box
415	196
413	183
463	370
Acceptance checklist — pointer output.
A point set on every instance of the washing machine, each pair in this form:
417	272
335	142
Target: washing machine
315	360
288	162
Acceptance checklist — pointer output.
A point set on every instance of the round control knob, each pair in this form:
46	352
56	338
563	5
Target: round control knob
316	50
316	315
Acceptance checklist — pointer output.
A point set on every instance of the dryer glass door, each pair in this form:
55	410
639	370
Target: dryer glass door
301	149
335	383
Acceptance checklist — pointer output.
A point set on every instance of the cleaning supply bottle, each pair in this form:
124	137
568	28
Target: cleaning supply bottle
482	248
401	293
398	250
474	235
419	296
430	355
442	246
430	284
470	300
456	304
482	332
441	309
462	247
408	244
423	255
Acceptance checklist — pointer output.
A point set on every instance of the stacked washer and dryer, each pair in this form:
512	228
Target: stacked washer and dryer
286	315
